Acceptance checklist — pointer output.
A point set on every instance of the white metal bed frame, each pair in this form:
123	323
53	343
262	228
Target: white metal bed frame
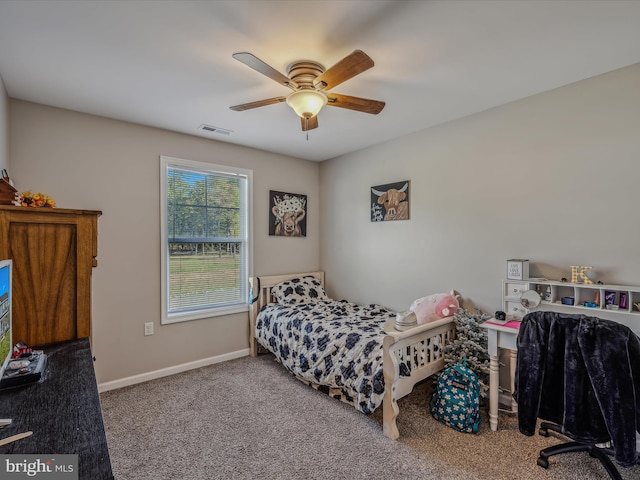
420	348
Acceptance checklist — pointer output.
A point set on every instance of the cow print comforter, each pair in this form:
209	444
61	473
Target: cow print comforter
334	346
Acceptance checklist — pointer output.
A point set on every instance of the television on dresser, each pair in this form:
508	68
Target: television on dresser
6	341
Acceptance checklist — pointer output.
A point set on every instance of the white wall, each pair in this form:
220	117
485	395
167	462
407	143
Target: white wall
89	162
4	128
553	178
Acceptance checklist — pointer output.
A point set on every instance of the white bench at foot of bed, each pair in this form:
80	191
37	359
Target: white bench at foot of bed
421	350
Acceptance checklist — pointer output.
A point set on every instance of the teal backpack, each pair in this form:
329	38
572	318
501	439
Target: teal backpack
456	400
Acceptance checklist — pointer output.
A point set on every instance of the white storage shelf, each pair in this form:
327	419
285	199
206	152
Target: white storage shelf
580	292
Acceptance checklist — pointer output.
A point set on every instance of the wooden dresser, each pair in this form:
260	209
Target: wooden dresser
53	252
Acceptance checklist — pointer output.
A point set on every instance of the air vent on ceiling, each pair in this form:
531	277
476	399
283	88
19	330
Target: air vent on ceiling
212	129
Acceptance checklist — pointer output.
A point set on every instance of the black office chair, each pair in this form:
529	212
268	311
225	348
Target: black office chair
581	376
601	453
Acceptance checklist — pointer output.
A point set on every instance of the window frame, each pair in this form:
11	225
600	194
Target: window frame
246	245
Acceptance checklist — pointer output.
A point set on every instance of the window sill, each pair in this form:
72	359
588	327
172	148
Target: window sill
202	314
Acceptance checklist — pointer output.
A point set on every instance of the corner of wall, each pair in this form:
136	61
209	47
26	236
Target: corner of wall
4	126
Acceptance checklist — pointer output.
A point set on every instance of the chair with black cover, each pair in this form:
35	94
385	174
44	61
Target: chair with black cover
580	375
601	452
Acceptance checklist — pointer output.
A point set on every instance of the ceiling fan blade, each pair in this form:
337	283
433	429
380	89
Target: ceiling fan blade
259	103
309	123
350	66
365	105
259	66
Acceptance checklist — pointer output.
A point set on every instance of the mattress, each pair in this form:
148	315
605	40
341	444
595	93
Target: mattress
333	346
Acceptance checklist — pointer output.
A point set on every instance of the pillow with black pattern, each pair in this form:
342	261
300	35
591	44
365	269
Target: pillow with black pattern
300	290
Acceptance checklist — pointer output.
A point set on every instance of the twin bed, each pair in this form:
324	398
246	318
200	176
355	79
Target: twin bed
351	352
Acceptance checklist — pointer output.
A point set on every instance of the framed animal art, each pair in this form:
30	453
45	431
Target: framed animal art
390	202
287	214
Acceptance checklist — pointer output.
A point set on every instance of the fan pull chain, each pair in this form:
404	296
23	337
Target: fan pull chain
306	127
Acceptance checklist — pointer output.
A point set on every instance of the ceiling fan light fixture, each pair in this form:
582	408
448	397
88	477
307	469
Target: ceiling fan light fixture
307	103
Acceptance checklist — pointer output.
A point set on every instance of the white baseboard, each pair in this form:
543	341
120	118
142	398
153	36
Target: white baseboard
164	372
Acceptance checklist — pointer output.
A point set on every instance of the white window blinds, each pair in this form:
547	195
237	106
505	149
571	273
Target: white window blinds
206	239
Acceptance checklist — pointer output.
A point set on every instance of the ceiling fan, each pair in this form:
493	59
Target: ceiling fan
309	81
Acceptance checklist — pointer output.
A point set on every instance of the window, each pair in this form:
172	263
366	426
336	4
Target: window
205	239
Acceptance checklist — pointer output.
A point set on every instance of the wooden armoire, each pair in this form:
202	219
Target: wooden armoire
54	251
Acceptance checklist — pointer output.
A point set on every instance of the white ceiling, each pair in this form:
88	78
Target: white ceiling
168	64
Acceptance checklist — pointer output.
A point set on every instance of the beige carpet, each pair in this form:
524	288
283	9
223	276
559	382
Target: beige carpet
249	418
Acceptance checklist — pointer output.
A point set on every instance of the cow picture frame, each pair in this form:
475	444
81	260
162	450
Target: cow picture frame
390	201
287	214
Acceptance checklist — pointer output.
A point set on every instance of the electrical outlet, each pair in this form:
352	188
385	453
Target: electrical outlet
148	328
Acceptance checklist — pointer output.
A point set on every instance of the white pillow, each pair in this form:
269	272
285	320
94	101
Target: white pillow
300	290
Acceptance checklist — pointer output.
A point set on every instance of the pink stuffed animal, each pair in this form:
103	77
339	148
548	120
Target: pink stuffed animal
433	307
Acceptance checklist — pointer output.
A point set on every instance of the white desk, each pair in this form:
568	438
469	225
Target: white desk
500	336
